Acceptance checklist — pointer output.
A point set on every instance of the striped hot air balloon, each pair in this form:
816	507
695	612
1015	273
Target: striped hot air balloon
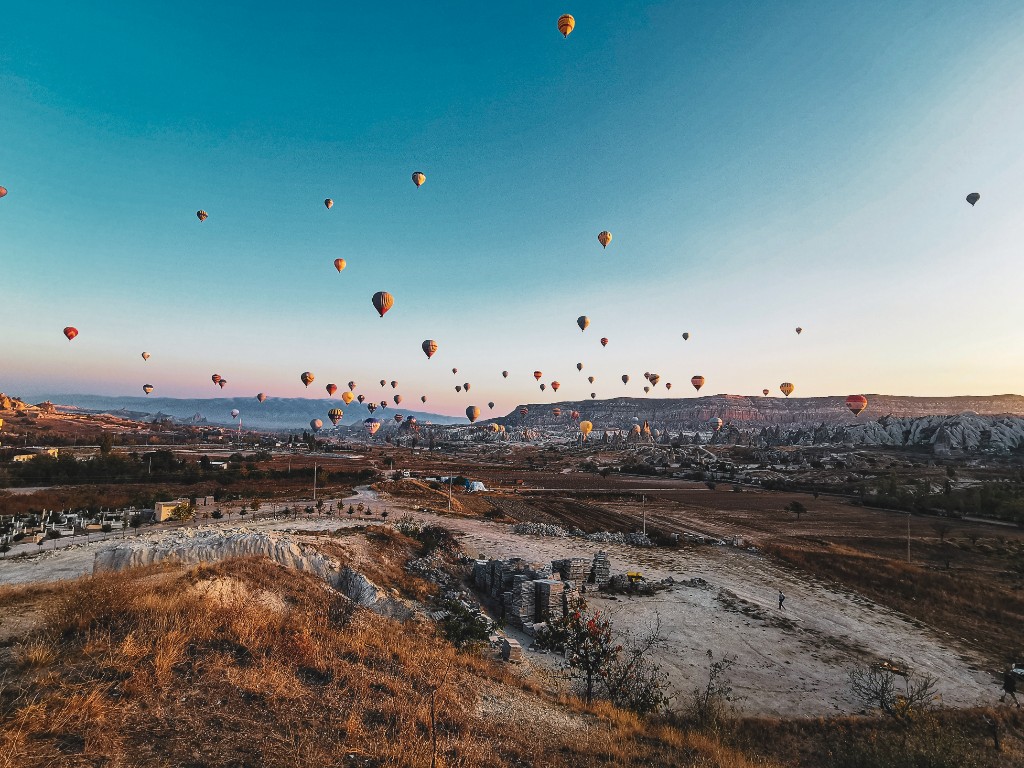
698	382
786	388
604	238
429	348
566	24
382	302
856	404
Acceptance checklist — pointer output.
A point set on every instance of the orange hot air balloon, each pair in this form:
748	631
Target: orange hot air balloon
202	215
347	397
765	392
339	264
351	386
523	411
423	398
856	404
604	342
382	302
472	413
504	374
146	355
398	399
491	405
306	378
579	366
329	203
316	425
537	375
654	379
261	397
3	191
383	403
361	399
394	385
147	388
586	428
625	378
70	332
698	382
331	389
555	385
604	238
418	178
556	412
222	383
583	322
335	415
786	388
458	387
215	378
566	23
429	348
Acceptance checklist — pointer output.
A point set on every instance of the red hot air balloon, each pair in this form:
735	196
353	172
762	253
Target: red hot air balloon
523	411
70	332
856	404
331	389
3	191
215	378
555	385
429	348
765	392
604	342
382	302
537	375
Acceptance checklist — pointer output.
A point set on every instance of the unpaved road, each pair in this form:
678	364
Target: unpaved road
790	662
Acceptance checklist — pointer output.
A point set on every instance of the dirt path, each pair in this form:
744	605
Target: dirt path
790	662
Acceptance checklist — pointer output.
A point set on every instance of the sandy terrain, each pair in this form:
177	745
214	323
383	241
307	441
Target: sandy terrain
790	662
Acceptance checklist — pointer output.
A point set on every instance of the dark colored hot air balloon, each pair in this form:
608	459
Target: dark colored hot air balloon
146	355
504	374
654	379
856	404
306	378
458	387
361	399
215	379
383	403
698	382
579	366
466	386
590	379
593	395
335	415
646	390
351	386
715	424
799	330
394	385
523	411
70	332
202	215
329	203
491	405
556	412
382	302
398	399
543	387
429	348
604	342
604	238
583	322
625	378
973	198
423	398
331	389
398	418
668	385
371	407
235	413
371	426
418	178
383	382
765	392
147	388
472	413
454	371
222	383
787	388
686	336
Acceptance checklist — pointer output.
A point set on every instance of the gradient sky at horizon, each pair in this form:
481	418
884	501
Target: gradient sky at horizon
760	166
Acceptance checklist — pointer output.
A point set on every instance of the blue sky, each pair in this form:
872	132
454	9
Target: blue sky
761	166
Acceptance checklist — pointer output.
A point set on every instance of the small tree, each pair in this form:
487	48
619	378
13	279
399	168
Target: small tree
942	529
384	515
216	514
587	642
796	508
319	506
879	687
350	511
135	521
255	505
186	510
4	548
708	707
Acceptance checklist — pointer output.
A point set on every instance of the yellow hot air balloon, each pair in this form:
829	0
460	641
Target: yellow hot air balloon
339	264
306	378
786	388
335	415
566	24
586	428
604	238
347	397
472	413
418	178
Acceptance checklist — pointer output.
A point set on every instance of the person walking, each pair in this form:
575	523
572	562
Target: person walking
1010	686
782	599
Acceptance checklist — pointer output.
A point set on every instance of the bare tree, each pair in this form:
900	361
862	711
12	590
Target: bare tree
942	528
879	687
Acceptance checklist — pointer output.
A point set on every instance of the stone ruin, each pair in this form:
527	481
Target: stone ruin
532	593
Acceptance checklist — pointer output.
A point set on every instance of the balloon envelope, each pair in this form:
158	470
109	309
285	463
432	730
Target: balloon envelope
429	348
315	424
70	332
604	342
147	388
339	264
973	198
586	428
306	378
382	302
472	413
583	322
202	215
234	413
331	389
329	203
145	355
698	382
335	415
347	397
566	23
418	177
787	388
604	238
261	397
856	404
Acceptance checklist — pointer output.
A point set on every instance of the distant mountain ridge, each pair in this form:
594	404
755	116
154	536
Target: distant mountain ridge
275	414
748	412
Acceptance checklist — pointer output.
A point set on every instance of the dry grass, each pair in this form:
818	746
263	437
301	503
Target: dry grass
159	668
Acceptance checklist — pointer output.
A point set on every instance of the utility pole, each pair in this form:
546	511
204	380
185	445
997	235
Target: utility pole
643	508
908	537
314	481
450	480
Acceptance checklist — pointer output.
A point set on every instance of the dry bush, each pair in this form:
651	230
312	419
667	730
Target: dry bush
34	654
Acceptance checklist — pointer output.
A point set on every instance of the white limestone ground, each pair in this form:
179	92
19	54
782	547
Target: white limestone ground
791	662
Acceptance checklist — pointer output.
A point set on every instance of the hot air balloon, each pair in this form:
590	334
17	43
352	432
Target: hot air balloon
306	378
466	386
398	418
394	385
418	178
537	375
799	330
625	378
765	392
971	198
604	238
786	388
70	332
383	382
543	387
351	386
398	399
668	385
586	428
3	191
147	388
372	425
329	203
555	385
361	399
339	264
472	413
145	355
698	382
523	411
234	413
856	404
371	407
604	342
331	389
593	395
454	371
202	215
347	397
583	322
316	425
686	336
646	390
222	383
579	366
429	348
590	379
504	374
383	403
423	398
566	24
382	302
215	379
715	424
261	397
335	415
491	405
654	379
458	387
556	412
